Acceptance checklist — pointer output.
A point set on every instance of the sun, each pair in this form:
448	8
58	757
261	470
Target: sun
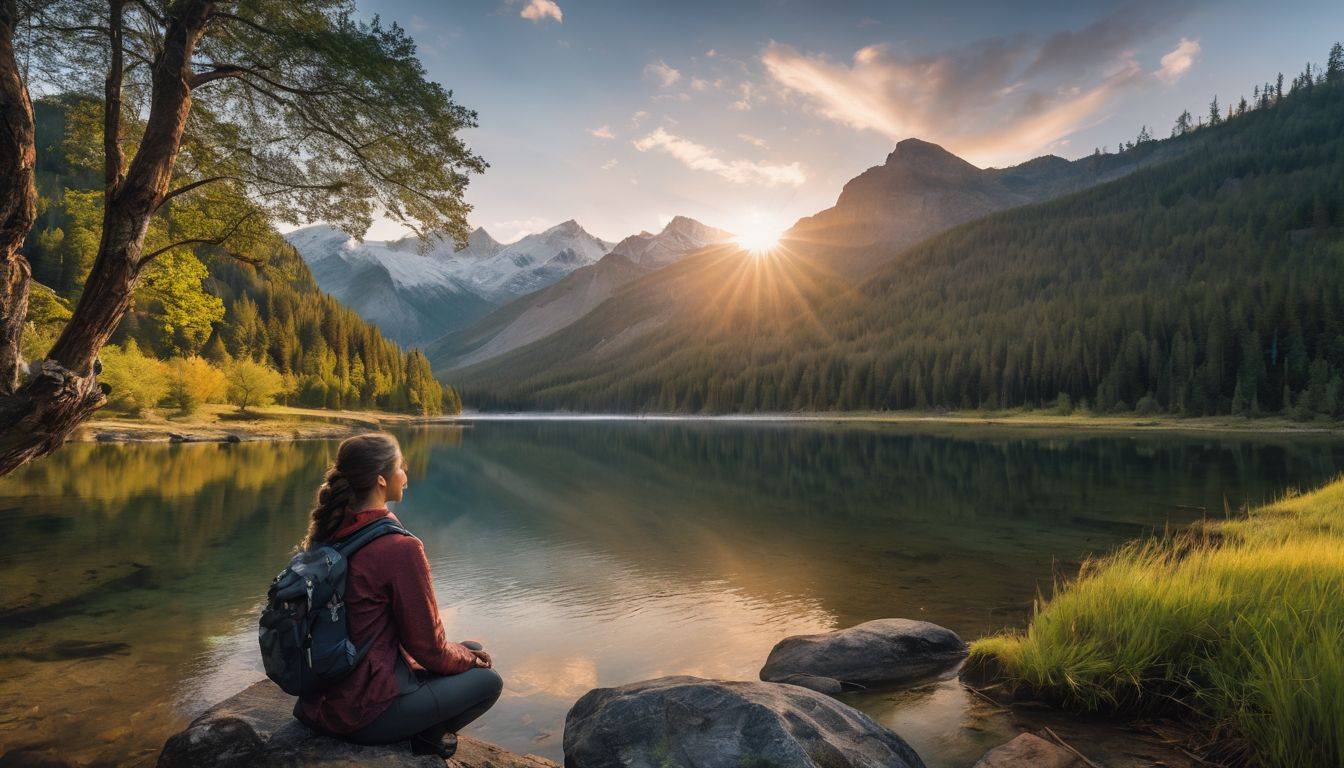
758	237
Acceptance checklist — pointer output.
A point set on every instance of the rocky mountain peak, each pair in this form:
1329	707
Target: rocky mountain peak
479	238
925	156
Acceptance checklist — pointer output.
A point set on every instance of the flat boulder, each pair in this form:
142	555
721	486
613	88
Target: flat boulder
689	721
879	653
1029	751
257	729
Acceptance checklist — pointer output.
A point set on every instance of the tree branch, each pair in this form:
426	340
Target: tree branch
246	22
283	186
222	71
149	11
218	73
92	28
202	241
185	188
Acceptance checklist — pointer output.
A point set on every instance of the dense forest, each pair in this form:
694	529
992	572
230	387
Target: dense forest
204	321
1209	284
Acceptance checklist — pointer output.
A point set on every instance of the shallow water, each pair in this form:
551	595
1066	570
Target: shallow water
582	554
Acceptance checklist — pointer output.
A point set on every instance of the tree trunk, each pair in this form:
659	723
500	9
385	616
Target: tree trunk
18	199
65	391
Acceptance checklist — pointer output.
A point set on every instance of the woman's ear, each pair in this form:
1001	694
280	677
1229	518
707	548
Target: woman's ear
382	482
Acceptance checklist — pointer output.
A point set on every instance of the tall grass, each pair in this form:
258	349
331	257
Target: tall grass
1237	626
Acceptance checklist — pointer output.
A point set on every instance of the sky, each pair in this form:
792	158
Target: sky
750	115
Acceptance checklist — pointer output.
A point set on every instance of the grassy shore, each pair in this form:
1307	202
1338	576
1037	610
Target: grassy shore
224	422
1236	626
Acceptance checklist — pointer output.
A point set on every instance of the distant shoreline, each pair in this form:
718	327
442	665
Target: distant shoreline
1025	419
278	423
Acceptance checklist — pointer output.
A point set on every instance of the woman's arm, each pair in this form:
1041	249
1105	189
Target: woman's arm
416	613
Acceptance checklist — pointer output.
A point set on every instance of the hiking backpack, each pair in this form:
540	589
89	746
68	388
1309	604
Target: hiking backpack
305	644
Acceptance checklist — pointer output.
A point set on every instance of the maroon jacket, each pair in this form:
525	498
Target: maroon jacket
388	597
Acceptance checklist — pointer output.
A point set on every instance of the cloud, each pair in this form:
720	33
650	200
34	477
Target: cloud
602	133
516	229
1104	40
996	100
701	158
638	118
752	140
1179	61
540	10
607	166
699	85
747	94
665	75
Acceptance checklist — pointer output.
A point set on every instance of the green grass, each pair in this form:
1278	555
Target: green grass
1236	626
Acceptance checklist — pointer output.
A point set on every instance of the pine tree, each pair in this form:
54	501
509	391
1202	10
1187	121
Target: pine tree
1182	126
1215	117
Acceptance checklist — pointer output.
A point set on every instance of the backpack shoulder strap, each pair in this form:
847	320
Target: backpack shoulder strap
380	527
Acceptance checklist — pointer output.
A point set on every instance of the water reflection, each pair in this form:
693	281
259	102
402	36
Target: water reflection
583	554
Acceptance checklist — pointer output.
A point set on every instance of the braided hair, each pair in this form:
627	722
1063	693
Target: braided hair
359	462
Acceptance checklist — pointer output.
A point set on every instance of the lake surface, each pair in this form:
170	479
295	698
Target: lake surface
582	554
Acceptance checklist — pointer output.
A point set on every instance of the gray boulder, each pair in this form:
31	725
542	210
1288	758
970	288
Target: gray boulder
257	729
688	721
877	653
1029	751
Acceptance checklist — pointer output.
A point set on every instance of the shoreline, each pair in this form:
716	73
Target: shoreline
224	424
282	423
1015	419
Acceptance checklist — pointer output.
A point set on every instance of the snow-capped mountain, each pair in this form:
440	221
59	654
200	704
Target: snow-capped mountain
681	236
417	297
540	314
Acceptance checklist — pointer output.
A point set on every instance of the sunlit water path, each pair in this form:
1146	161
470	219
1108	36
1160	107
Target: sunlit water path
583	553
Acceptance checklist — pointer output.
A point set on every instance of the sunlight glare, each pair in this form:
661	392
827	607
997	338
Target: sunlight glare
758	235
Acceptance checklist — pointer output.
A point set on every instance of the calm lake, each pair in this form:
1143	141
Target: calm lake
582	554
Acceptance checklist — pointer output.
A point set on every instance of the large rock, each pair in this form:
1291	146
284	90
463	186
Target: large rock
257	729
1029	751
687	721
877	653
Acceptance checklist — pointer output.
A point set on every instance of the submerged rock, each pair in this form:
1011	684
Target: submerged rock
688	721
257	729
877	653
1029	751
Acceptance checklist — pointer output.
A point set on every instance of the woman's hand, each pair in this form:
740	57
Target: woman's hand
482	658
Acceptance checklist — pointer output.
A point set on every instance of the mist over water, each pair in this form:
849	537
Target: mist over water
582	553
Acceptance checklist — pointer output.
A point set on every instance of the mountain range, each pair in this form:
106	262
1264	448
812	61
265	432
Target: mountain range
538	315
416	295
1197	274
920	190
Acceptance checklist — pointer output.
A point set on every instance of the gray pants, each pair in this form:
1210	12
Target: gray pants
429	704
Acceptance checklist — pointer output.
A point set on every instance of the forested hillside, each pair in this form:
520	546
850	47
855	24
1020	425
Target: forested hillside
204	303
1210	283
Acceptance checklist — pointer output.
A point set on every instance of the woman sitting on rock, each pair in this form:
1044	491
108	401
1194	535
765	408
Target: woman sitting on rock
411	683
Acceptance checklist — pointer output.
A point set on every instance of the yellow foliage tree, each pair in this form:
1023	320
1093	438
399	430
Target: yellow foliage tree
251	383
136	381
192	381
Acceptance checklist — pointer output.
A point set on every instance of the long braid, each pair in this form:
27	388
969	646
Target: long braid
334	499
359	462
